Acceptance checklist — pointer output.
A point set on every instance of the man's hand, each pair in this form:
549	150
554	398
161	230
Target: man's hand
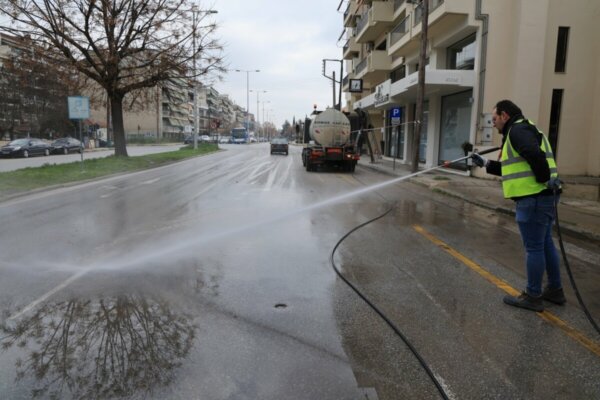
554	183
479	161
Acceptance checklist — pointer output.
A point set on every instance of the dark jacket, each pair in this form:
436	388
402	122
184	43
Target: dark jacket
526	140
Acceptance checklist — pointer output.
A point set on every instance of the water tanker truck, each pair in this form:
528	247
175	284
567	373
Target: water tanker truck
330	143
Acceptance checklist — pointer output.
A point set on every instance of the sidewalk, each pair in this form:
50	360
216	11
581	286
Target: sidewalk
578	217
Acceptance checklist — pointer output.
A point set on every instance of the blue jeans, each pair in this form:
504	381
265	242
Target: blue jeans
535	216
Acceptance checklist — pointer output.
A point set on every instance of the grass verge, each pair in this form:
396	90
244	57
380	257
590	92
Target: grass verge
25	179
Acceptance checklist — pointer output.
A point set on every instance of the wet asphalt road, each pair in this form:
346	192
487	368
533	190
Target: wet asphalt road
210	279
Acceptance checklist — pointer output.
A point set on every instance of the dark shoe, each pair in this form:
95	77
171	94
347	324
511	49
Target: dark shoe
526	301
556	296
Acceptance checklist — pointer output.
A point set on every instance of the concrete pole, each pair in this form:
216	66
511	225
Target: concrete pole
420	88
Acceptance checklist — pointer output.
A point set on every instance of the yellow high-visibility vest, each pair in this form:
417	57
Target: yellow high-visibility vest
517	177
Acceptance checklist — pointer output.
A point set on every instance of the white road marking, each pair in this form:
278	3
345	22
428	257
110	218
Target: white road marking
44	297
150	181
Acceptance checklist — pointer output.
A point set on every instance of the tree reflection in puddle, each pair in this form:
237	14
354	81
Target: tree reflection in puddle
112	347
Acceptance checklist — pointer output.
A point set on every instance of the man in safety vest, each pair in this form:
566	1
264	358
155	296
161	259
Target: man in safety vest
530	178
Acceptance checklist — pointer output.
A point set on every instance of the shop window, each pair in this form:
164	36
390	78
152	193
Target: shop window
455	126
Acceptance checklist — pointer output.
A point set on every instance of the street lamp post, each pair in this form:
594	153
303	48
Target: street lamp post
270	114
258	109
263	117
247	71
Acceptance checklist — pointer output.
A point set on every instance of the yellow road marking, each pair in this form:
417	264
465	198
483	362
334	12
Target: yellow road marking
545	315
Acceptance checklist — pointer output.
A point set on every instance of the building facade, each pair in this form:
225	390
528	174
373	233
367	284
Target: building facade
538	53
167	112
33	100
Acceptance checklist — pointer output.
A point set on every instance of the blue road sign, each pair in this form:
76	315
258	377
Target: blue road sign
396	115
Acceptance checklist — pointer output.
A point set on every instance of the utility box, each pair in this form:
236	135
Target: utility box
487	128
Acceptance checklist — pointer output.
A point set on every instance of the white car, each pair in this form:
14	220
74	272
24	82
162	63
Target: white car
205	138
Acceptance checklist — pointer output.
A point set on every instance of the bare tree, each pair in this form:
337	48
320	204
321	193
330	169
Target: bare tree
123	45
112	347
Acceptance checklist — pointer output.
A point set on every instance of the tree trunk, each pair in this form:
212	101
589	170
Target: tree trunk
116	108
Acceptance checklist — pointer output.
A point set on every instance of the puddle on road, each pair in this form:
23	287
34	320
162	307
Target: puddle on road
112	347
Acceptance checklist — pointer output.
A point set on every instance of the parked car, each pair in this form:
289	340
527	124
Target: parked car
205	138
188	139
25	148
279	145
224	140
66	145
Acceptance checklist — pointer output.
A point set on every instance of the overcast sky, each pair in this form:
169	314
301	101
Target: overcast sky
286	40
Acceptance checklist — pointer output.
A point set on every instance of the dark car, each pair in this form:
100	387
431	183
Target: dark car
25	148
66	146
279	145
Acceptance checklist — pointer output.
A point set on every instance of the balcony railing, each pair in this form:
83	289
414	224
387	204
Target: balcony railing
398	4
364	20
400	30
433	4
361	65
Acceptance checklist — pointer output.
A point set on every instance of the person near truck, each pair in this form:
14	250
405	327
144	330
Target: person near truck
530	178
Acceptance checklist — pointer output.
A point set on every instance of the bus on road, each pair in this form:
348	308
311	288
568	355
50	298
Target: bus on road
239	135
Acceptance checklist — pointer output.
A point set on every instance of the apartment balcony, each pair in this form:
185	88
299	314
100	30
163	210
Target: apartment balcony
443	15
399	7
375	21
399	36
349	14
374	68
351	49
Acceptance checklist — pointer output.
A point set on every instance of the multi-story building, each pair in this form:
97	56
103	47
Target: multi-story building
541	54
167	111
177	99
32	98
